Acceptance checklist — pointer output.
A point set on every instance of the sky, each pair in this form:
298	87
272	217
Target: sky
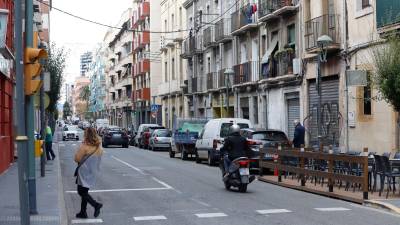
78	36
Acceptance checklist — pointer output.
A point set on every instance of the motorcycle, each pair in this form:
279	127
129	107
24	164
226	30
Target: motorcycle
239	174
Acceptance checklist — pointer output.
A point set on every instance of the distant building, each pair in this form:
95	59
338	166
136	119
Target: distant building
86	60
98	82
79	106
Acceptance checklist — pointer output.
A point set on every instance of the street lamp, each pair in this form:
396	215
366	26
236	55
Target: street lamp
228	72
323	42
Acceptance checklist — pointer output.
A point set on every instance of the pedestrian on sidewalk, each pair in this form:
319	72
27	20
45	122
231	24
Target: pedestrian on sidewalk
88	158
299	132
49	143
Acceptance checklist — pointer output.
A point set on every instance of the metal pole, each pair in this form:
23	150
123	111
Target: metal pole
318	86
42	128
30	113
21	138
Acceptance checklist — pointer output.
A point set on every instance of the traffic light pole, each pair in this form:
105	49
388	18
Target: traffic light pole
30	113
21	138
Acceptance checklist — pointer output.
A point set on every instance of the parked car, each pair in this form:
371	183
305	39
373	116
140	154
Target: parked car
115	136
85	125
137	139
160	139
184	137
145	140
212	137
70	133
101	123
263	138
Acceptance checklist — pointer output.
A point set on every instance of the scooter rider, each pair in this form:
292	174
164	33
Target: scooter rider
235	146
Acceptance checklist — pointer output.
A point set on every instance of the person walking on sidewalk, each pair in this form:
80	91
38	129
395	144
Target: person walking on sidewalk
88	158
49	144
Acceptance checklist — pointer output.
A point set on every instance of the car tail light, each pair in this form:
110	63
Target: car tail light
253	142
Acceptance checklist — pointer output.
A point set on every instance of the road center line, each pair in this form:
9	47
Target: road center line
210	215
273	211
144	218
333	209
77	221
123	190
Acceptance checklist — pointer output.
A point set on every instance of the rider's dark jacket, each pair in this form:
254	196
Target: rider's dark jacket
236	146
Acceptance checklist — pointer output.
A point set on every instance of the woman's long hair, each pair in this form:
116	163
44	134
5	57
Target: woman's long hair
91	137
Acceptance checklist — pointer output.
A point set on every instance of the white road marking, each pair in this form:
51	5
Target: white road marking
77	221
273	211
123	190
129	165
162	183
333	209
200	202
210	215
144	218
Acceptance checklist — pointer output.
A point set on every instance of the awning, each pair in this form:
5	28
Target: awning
271	48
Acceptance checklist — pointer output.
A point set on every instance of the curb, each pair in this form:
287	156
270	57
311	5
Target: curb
382	205
61	201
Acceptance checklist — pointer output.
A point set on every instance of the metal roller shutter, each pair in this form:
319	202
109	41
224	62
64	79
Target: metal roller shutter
293	113
330	111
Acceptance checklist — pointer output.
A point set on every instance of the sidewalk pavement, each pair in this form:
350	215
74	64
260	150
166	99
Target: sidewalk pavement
50	200
391	205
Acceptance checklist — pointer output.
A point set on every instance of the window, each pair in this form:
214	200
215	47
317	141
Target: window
255	110
165	25
225	128
166	71
173	68
180	17
367	107
263	44
172	22
291	35
365	4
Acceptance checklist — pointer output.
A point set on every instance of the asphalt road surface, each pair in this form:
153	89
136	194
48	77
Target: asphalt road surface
142	187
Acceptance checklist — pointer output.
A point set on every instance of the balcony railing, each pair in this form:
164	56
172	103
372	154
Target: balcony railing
242	17
279	65
144	10
387	15
141	95
208	36
222	29
212	80
324	25
144	38
221	78
142	67
192	45
246	72
267	7
194	85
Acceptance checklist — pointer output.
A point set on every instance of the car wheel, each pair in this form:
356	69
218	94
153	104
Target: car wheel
77	138
63	139
171	153
104	145
227	186
210	160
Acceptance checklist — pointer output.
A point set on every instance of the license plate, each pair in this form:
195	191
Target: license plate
268	155
244	171
117	135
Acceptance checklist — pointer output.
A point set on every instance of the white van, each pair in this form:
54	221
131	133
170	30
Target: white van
102	123
212	136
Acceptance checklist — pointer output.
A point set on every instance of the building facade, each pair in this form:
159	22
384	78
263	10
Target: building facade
119	72
146	60
98	83
171	90
85	62
79	106
7	80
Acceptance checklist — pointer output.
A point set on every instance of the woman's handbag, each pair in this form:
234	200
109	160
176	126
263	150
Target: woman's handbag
83	161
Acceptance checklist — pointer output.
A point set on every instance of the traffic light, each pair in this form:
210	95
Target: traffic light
32	69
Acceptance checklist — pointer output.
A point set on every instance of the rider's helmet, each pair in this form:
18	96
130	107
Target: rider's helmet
234	129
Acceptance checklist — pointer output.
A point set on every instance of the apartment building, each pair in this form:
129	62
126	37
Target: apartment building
146	60
97	86
79	106
171	90
85	62
119	72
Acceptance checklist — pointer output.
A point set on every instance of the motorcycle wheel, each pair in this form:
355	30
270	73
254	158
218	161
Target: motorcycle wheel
227	186
243	188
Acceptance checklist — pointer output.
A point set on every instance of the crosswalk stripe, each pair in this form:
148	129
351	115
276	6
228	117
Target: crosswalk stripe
210	215
78	221
332	209
273	211
143	218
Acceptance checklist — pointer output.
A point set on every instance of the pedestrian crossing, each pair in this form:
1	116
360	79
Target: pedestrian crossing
210	215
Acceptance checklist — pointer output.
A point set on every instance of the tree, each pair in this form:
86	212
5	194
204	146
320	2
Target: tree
55	65
85	96
387	74
67	110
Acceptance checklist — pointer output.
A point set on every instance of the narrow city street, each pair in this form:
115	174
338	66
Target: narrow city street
142	187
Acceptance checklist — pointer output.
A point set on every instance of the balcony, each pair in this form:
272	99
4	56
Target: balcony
141	95
243	20
212	81
194	85
223	30
279	65
135	21
272	9
144	38
209	37
144	10
324	25
221	78
192	45
142	67
387	17
247	72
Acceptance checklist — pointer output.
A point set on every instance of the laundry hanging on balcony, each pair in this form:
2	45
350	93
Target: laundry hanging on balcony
265	60
249	11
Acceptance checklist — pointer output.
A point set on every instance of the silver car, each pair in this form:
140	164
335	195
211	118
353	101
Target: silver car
160	139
